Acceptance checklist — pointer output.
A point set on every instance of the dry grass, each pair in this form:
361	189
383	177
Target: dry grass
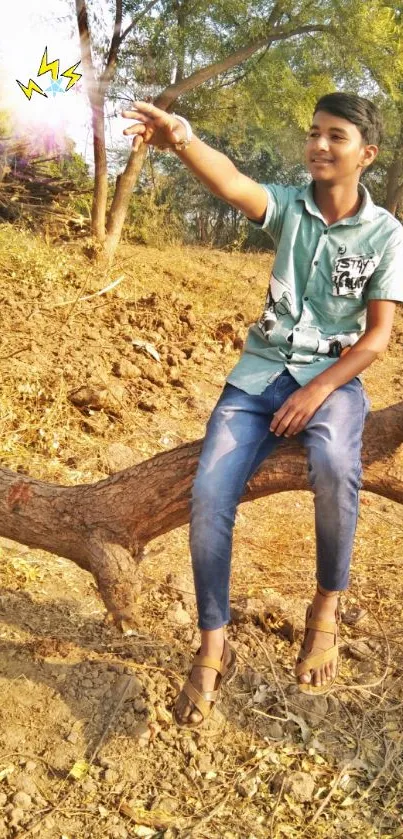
52	342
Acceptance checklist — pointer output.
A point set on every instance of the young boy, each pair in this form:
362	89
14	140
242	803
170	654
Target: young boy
328	315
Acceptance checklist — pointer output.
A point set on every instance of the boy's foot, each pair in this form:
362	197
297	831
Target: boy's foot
204	679
323	612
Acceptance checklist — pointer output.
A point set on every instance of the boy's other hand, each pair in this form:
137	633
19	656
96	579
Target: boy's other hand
153	126
298	409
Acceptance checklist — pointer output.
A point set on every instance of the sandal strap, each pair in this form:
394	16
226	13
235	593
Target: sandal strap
201	700
204	700
312	662
322	626
206	661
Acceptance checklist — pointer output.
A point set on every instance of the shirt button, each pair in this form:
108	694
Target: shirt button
316	262
306	298
325	232
297	328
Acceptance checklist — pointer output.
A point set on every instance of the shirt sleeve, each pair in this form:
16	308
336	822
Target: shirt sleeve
386	282
278	198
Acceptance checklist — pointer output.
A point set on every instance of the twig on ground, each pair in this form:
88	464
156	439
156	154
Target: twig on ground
275	677
388	760
16	352
273	815
90	296
365	688
212	813
330	794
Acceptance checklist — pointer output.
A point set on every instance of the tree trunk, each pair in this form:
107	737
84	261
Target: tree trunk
123	192
104	527
182	11
394	180
100	197
394	185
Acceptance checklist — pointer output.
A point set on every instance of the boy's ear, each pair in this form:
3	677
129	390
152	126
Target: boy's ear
370	153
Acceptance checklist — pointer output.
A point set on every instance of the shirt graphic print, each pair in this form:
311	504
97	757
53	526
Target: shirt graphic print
351	274
278	303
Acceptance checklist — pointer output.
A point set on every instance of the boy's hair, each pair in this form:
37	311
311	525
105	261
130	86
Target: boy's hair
362	112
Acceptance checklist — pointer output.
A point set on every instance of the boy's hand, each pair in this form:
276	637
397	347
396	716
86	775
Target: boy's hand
153	126
298	409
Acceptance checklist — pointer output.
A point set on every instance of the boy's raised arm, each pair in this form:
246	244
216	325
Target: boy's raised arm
216	171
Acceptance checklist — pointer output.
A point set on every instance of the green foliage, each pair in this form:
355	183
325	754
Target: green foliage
261	107
256	110
152	218
208	220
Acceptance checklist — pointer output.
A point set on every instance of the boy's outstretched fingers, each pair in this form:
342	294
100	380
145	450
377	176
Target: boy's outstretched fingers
138	125
143	129
153	124
147	114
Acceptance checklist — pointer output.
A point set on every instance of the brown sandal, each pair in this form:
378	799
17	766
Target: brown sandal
204	701
310	660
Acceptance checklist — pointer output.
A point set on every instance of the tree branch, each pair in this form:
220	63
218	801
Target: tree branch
104	527
113	50
136	19
85	44
245	73
171	94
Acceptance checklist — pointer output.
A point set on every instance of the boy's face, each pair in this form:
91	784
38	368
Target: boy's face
335	151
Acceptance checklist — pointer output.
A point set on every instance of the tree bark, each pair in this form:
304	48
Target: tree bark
121	200
394	184
96	96
104	527
99	202
394	179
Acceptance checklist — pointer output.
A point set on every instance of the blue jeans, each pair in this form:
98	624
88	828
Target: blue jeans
238	439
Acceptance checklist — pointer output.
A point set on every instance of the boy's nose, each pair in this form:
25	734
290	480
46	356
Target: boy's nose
322	143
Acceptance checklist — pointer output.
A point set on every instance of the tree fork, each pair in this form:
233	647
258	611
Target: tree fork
104	527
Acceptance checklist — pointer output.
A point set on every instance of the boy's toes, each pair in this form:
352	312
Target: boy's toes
182	708
195	716
317	678
185	711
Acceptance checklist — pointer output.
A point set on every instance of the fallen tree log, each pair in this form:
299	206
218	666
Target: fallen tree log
104	527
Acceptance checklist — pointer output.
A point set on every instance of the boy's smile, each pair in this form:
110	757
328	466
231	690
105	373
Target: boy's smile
335	150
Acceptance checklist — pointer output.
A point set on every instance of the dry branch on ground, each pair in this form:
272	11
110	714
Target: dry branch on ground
104	527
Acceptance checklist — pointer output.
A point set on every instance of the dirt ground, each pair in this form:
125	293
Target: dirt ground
87	746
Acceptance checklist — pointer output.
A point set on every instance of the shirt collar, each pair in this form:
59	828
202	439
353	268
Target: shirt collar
365	213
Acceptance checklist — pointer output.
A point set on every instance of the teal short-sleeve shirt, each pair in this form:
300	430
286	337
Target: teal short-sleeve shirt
321	280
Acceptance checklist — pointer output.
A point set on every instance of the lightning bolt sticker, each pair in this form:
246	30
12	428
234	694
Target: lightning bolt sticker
70	74
49	67
52	67
30	88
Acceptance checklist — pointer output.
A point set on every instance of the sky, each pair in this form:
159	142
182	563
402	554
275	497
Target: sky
27	28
